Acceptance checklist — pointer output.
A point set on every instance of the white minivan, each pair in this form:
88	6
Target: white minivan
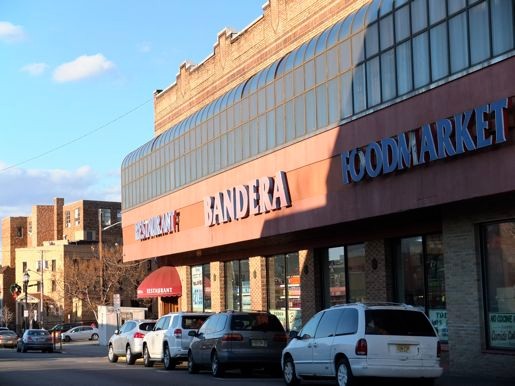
364	340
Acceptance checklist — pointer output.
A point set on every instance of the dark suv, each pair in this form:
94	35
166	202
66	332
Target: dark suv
62	327
244	340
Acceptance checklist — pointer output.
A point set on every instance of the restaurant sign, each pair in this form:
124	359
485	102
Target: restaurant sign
481	127
157	226
260	195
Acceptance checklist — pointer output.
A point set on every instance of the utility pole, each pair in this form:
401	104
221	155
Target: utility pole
100	253
42	291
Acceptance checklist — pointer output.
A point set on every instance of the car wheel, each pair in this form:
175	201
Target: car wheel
343	373
289	374
146	358
129	358
67	338
23	348
192	366
94	337
216	367
113	358
168	362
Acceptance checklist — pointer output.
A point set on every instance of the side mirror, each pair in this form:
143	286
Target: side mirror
192	333
116	332
294	334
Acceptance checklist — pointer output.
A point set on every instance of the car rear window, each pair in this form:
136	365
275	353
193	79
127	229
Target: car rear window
38	333
256	322
147	326
397	322
193	322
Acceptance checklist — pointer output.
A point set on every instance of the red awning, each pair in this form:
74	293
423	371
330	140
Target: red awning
163	281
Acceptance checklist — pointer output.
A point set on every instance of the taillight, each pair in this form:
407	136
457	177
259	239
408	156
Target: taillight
138	334
438	349
232	338
177	333
361	347
283	338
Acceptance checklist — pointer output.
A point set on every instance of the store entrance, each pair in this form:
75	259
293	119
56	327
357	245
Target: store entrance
169	304
419	279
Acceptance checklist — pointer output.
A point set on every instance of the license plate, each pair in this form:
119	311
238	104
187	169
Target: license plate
258	343
403	348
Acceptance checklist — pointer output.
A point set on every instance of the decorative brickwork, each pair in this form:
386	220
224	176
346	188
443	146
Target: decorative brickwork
375	269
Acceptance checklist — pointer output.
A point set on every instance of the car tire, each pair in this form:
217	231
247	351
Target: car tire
129	358
67	338
94	337
343	373
192	366
289	374
146	358
217	369
168	362
23	348
113	358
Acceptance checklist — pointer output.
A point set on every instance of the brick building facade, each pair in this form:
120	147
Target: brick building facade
335	152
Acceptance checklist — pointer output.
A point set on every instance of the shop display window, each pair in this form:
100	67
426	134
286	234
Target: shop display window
284	290
201	288
499	276
419	277
237	285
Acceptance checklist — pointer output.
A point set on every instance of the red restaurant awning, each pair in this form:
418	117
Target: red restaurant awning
163	281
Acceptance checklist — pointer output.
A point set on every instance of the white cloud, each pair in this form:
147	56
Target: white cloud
11	33
34	69
83	67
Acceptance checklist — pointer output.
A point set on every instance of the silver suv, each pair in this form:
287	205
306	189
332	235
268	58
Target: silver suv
128	341
364	340
169	340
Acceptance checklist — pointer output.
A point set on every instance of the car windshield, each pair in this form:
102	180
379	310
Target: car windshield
397	322
193	322
256	322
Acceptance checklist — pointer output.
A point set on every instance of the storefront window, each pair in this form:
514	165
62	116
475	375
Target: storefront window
499	264
201	288
237	285
343	274
419	277
284	292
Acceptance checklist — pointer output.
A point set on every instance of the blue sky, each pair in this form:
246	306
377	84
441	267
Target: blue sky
76	84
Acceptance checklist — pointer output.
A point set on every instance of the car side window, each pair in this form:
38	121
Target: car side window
220	324
128	326
160	323
308	331
348	323
327	324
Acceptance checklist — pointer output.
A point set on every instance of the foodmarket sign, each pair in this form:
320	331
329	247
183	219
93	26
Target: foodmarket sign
260	195
481	127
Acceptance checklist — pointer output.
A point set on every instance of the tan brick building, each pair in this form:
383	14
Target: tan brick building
46	244
335	152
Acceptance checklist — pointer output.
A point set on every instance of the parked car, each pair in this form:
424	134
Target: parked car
364	340
244	340
35	339
169	340
8	338
80	333
63	327
128	341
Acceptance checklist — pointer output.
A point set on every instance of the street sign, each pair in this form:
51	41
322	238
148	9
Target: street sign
116	302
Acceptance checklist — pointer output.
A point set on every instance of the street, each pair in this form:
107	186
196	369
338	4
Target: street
86	364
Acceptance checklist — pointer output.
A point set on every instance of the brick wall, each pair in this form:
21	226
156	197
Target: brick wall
11	239
465	307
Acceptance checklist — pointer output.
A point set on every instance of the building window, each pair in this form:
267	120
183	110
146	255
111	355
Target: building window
54	263
201	288
237	285
19	232
77	216
118	215
54	286
24	266
67	221
498	242
284	291
419	277
343	274
105	217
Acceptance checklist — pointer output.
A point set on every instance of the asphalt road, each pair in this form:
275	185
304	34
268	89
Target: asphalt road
86	364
